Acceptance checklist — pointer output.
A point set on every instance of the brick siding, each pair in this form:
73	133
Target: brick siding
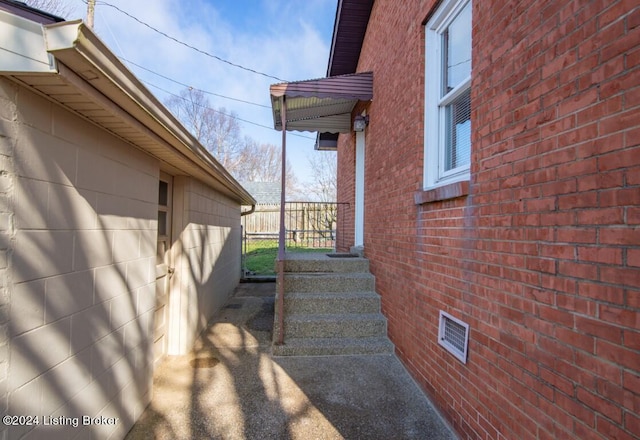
541	258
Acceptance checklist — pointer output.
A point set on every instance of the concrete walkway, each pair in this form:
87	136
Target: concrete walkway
231	387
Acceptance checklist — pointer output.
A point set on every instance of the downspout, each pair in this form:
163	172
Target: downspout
281	234
251	211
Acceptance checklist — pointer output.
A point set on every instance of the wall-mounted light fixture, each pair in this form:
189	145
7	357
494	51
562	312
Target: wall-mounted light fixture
360	122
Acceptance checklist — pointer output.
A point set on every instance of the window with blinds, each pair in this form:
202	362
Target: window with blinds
448	94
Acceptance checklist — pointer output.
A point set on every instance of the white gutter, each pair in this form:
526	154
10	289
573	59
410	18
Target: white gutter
26	53
75	45
73	52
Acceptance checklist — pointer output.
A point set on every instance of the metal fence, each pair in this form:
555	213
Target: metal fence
309	227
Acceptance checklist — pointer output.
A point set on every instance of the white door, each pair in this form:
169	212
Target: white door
164	268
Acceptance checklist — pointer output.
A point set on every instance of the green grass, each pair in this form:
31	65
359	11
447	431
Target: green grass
260	256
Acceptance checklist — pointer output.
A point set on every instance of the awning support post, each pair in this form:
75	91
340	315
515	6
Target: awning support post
281	234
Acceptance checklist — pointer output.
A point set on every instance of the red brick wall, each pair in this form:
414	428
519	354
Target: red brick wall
542	258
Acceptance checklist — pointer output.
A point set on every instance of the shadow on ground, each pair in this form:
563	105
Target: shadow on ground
230	387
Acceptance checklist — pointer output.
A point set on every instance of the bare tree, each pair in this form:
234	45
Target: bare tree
61	8
224	137
262	163
217	130
323	186
259	162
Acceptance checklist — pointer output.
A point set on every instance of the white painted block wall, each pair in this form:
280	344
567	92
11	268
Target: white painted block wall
209	262
77	259
78	229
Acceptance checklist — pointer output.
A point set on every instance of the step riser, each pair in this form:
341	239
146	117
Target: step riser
324	283
314	329
336	265
328	306
311	350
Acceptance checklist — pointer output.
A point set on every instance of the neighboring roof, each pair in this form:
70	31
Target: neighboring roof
68	63
322	105
265	193
352	18
23	10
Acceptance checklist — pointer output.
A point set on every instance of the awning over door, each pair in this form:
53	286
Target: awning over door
323	105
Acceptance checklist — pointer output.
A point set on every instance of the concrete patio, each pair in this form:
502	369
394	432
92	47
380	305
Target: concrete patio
231	387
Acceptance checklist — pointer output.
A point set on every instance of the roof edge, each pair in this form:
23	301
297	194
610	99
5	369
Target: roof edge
25	11
334	36
78	47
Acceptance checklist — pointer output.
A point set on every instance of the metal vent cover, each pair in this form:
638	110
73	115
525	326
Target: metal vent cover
453	335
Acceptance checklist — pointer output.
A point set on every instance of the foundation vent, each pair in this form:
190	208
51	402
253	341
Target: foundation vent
453	335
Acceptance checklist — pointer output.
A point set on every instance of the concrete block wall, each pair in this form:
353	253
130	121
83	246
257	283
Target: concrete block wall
208	257
78	257
7	141
541	257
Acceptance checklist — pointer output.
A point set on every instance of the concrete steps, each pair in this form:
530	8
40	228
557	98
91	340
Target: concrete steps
330	308
331	302
310	263
328	282
354	325
333	346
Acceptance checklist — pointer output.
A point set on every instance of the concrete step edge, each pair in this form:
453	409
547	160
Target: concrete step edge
330	341
332	295
328	274
322	263
336	317
325	326
333	346
329	283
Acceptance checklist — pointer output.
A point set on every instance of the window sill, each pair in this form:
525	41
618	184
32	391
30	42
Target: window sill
444	192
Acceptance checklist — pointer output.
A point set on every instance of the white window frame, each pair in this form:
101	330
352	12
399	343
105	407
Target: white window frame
434	130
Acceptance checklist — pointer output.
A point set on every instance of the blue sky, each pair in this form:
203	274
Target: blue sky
288	39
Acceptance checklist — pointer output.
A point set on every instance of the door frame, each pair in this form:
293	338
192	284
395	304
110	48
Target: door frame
164	267
359	189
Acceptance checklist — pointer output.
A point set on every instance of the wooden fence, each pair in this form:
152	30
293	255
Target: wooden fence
308	226
301	218
265	219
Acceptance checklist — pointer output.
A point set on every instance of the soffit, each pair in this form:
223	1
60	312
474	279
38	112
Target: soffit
352	18
349	28
57	89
